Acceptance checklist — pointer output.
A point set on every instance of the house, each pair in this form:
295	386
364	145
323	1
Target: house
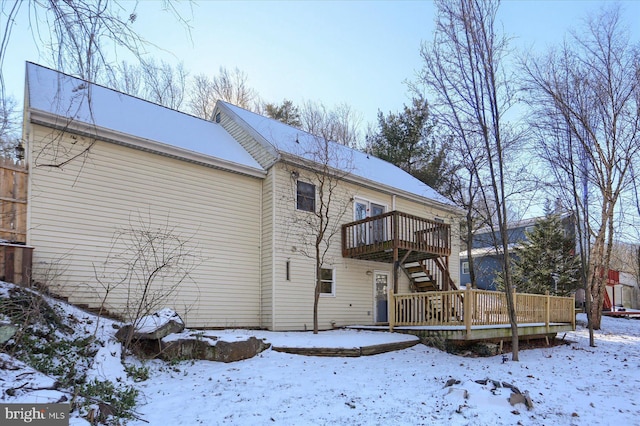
119	188
488	260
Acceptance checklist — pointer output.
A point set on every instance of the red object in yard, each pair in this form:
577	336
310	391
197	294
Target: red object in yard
607	302
613	279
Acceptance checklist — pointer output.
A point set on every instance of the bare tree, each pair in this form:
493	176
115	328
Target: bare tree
127	78
229	86
148	263
76	34
79	36
9	128
465	190
164	84
588	94
464	69
160	83
340	124
202	98
322	166
232	87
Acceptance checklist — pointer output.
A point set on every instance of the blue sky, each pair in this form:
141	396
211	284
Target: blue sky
358	52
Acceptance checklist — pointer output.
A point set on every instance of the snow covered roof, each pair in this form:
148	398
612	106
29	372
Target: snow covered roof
289	140
75	101
486	251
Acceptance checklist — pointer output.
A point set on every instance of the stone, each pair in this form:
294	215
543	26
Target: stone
521	398
451	382
210	349
153	327
7	331
485	349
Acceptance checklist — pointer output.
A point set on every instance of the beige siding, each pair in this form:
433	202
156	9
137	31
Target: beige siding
353	302
76	211
267	276
256	150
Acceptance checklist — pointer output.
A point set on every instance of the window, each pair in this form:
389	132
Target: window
327	281
465	268
306	197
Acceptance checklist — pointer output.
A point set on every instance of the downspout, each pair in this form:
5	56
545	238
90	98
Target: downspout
393	202
273	248
261	255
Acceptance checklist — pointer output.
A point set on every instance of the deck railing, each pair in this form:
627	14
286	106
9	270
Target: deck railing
395	229
478	307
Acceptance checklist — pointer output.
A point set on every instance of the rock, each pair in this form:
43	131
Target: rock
486	349
528	401
451	382
7	331
153	327
236	351
513	388
519	398
210	349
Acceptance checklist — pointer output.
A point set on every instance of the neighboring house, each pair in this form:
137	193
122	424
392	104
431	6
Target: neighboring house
488	261
239	191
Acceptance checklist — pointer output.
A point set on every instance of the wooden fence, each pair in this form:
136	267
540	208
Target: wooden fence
13	201
478	308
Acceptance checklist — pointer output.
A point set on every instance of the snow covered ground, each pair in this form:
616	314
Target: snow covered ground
572	384
569	385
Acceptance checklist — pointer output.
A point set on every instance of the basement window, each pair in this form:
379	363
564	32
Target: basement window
306	197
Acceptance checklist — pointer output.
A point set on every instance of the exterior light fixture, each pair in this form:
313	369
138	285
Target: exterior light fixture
19	150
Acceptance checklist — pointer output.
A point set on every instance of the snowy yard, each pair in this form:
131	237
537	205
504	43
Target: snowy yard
572	384
569	384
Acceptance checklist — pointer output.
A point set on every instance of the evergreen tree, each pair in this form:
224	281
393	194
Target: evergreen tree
286	112
407	140
547	260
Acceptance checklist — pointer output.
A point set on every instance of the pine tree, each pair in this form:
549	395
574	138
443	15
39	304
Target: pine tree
407	140
547	260
286	112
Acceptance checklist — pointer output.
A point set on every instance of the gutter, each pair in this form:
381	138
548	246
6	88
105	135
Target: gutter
84	129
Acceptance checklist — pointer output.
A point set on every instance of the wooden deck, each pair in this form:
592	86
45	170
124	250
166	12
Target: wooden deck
410	238
402	240
479	314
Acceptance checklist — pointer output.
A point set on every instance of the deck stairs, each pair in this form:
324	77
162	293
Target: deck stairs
425	280
420	276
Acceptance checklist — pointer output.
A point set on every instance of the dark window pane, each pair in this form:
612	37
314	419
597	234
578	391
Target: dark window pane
326	274
306	197
326	288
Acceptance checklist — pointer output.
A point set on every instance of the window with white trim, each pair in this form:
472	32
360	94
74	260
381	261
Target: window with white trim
465	268
306	196
327	282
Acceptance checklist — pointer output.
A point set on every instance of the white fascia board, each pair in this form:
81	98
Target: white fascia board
60	123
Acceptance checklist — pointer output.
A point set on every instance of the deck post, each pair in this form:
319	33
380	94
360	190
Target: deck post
468	315
392	309
573	317
547	309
